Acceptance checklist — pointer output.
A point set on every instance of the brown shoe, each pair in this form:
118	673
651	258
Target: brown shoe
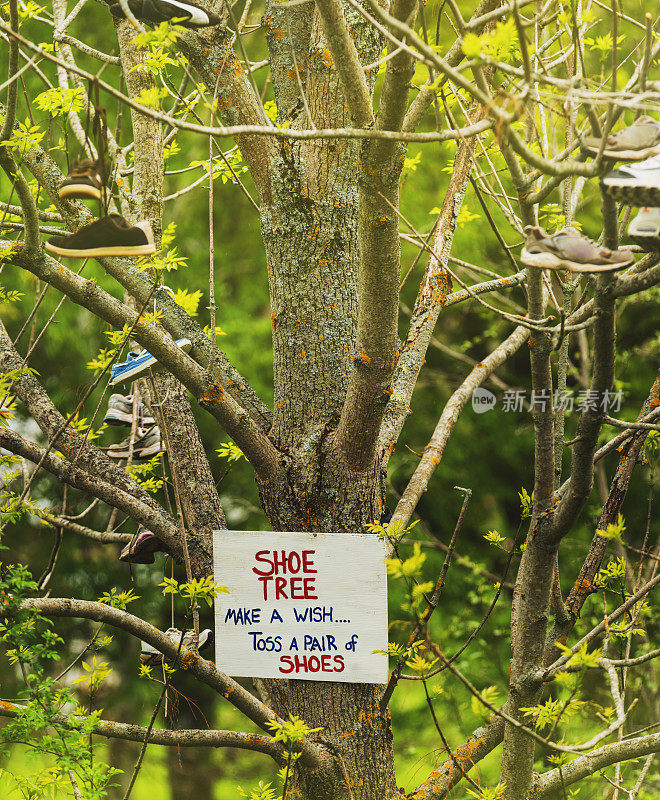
639	141
141	548
569	249
108	236
85	180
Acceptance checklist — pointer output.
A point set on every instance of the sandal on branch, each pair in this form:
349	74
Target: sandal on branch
639	141
569	249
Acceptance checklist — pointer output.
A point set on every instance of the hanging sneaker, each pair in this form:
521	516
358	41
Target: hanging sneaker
639	141
84	180
644	230
120	412
141	548
149	656
635	184
569	249
137	364
189	15
147	443
108	236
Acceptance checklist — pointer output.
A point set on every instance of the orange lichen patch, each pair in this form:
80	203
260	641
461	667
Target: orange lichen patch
224	103
294	73
326	58
238	67
6	704
214	394
304	354
189	659
274	324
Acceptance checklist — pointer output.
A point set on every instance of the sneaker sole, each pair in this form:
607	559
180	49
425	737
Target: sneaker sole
649	243
550	261
138	452
134	372
625	155
136	250
119	418
631	193
79	190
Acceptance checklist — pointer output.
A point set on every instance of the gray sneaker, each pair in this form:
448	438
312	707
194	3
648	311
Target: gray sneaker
149	656
569	249
637	142
147	443
120	412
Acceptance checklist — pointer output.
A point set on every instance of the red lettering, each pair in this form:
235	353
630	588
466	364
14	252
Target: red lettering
289	664
309	588
298	663
307	562
297	586
294	562
279	561
260	557
265	580
280	583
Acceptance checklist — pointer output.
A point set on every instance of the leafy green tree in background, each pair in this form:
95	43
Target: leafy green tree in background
321	120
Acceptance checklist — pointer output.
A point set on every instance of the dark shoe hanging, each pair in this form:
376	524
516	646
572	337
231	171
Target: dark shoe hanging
108	236
187	14
84	181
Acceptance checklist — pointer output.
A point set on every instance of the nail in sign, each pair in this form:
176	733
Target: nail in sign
310	606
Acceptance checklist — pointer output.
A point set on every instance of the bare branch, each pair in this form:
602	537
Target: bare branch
167	737
550	783
435	448
346	61
233	418
203	670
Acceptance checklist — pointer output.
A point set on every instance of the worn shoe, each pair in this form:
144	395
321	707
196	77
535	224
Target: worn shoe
644	230
108	236
84	180
187	14
120	412
147	443
635	184
137	364
141	548
639	141
149	656
569	249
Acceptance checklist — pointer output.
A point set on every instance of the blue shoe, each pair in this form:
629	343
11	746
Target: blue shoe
137	364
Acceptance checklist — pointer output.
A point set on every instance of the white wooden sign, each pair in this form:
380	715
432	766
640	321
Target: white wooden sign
310	606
